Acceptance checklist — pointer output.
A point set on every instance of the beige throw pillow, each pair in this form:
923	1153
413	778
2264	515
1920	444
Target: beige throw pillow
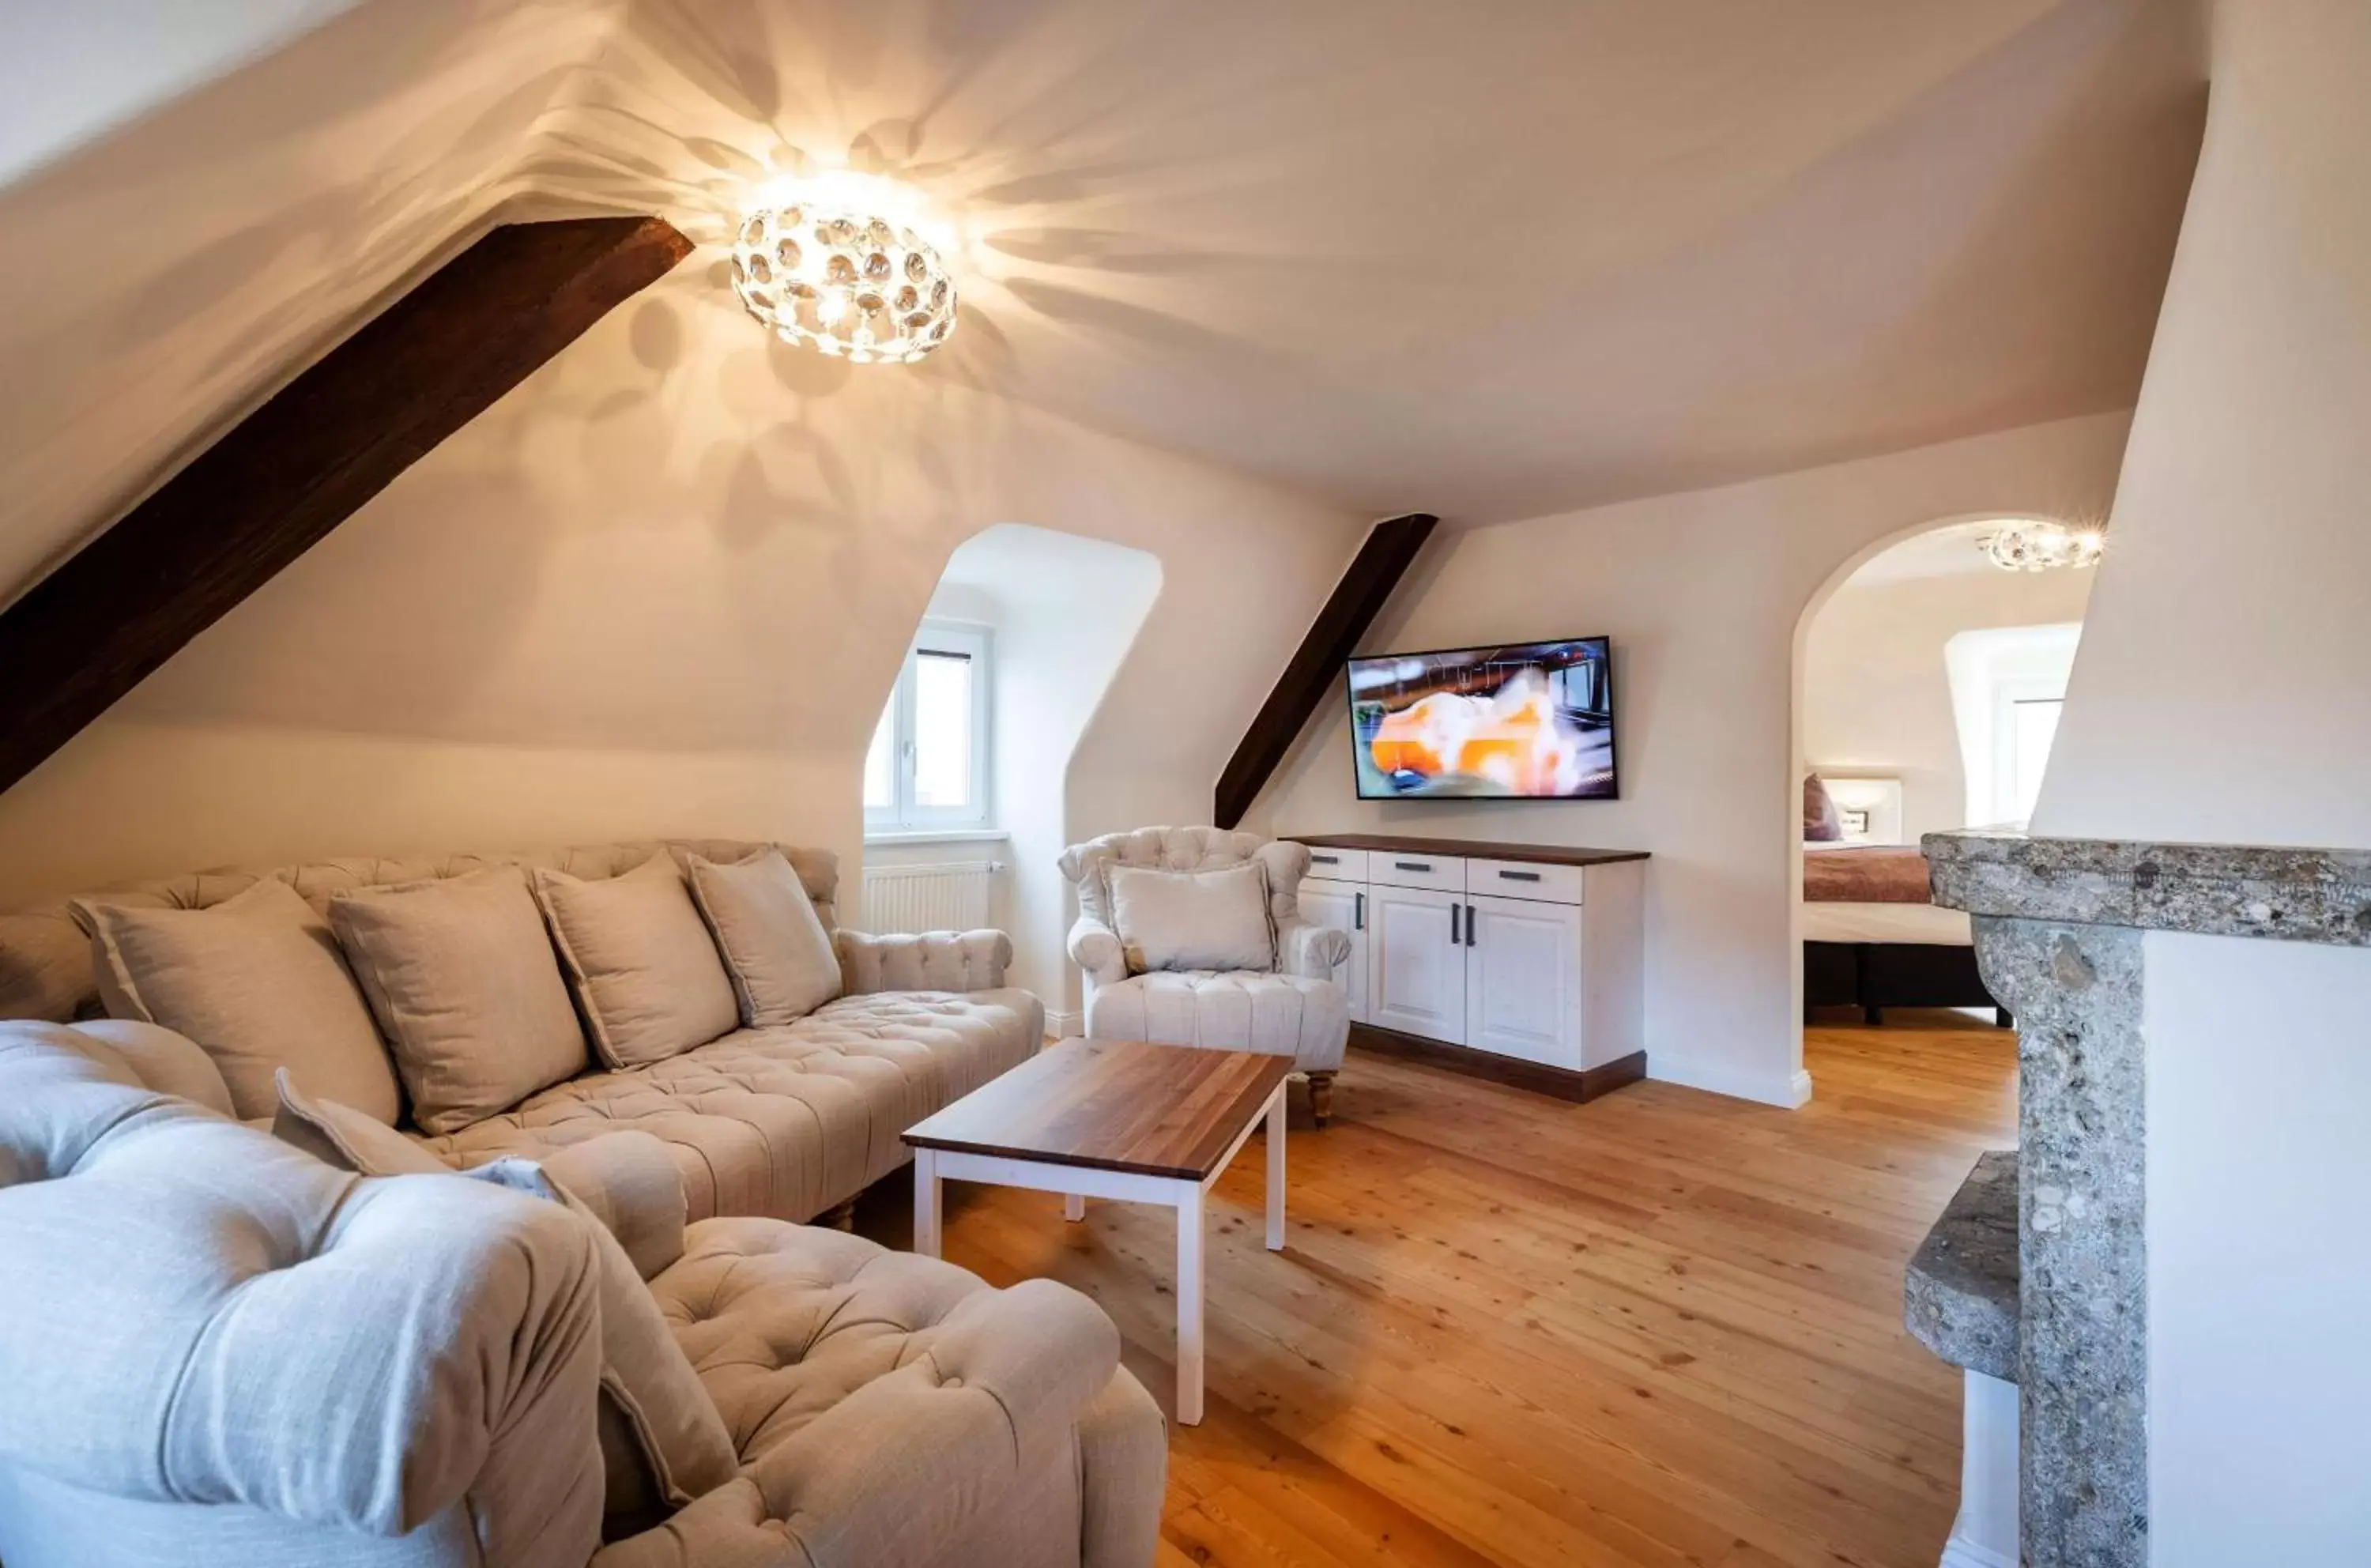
662	1439
461	975
640	959
780	958
257	981
1175	920
340	1136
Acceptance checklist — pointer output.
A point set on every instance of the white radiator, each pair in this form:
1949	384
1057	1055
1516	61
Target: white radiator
952	897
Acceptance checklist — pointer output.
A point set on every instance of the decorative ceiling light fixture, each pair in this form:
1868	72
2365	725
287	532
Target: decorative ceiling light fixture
849	282
2042	546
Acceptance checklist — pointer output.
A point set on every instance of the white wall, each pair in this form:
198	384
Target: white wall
1704	596
2260	1282
1877	692
2221	696
665	586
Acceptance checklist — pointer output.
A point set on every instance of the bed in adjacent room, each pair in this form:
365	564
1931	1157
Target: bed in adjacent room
1873	939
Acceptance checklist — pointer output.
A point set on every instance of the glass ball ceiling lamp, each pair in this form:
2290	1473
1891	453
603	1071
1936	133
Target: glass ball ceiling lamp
2042	546
851	283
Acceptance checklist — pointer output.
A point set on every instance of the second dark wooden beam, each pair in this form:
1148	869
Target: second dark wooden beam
1333	636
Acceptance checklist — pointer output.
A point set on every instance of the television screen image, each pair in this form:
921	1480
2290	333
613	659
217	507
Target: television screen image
1530	722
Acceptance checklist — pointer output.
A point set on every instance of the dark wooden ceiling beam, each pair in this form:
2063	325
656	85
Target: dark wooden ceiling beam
1333	636
281	480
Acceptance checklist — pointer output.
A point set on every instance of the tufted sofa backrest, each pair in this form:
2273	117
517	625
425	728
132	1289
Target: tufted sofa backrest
195	1314
1088	865
45	960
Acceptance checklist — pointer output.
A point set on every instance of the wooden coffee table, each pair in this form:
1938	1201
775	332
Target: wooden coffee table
1114	1119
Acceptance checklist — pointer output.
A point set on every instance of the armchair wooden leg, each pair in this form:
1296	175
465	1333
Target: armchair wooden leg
841	1217
1321	1098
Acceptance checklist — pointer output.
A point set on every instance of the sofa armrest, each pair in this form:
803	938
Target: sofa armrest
901	1470
1313	952
167	1062
630	1181
1095	947
1123	1475
930	961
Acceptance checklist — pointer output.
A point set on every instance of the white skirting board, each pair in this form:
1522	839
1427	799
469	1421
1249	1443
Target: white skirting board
1065	1025
1792	1092
1985	1533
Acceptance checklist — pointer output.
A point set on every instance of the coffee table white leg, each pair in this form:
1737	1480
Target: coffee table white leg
926	1202
1074	1206
1276	1173
1189	1305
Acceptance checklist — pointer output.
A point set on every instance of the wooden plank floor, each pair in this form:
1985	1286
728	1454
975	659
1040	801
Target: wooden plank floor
1662	1329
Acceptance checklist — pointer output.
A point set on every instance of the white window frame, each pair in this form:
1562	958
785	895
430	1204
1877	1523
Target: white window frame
975	644
1989	671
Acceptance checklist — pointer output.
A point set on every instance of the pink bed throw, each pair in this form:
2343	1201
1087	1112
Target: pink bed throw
1866	873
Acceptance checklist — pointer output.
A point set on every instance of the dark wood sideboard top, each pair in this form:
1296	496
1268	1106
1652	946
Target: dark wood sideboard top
1473	849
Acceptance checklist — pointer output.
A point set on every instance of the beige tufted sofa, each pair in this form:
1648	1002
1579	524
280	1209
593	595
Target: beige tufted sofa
1293	1008
219	1352
787	1123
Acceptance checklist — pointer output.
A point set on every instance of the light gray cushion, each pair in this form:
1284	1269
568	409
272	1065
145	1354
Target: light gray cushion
194	1314
1173	920
461	975
775	947
168	1063
667	1442
341	1137
257	981
640	959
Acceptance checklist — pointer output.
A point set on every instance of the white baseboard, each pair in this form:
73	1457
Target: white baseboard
1065	1025
1792	1092
1960	1553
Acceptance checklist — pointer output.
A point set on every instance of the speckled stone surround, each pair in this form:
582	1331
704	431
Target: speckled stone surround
2082	1371
2059	923
2215	889
1960	1293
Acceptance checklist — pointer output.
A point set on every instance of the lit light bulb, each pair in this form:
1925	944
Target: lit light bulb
847	282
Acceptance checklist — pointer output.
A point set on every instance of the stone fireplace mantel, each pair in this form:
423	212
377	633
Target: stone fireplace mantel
2060	927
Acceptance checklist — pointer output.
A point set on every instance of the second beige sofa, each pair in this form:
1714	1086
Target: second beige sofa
786	1121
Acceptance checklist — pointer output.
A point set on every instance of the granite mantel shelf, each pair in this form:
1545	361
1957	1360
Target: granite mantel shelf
1960	1294
2216	889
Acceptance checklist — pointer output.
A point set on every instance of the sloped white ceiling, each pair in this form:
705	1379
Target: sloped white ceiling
1485	260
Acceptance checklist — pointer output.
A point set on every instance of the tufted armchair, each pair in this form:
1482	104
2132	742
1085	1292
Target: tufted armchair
219	1351
1292	1007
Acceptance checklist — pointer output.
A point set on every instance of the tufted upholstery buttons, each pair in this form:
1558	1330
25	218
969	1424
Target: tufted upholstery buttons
785	1322
784	1121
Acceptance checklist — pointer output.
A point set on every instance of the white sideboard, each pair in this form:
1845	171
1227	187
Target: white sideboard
1517	952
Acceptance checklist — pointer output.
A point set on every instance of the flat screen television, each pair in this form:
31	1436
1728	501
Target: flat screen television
1534	721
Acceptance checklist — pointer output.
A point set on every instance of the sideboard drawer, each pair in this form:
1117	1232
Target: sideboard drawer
1519	879
1398	868
1339	865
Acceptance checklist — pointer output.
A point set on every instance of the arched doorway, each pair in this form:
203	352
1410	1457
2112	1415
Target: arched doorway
1928	674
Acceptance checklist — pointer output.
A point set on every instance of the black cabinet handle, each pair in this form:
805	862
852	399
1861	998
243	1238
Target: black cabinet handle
1521	876
1452	925
1358	912
1325	859
1469	924
1412	865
